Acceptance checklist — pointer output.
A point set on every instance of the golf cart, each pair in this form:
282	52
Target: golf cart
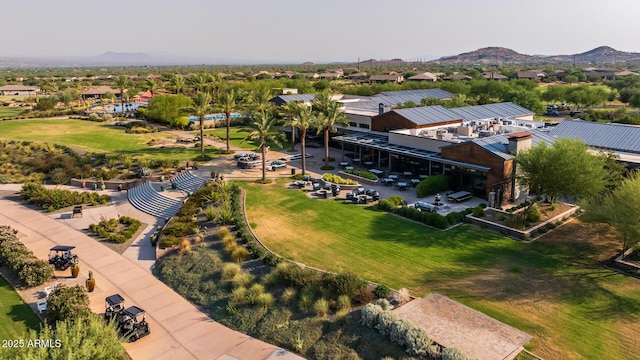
133	324
61	257
114	305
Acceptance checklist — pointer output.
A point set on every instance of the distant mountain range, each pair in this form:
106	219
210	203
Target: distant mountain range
488	56
500	55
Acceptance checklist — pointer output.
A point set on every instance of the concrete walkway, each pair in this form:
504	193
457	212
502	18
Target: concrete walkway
178	329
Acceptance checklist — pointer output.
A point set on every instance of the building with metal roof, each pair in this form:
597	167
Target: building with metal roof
488	111
420	93
19	90
414	118
614	137
283	99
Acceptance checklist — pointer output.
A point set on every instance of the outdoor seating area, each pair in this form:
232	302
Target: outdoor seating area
459	196
42	305
146	199
187	182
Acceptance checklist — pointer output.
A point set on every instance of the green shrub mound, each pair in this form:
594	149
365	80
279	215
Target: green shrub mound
390	203
55	199
432	185
118	230
22	261
363	174
336	179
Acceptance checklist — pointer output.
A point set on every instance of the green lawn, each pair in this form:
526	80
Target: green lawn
237	136
93	137
6	111
16	317
555	289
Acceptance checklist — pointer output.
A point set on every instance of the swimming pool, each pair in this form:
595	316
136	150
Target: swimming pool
216	117
127	107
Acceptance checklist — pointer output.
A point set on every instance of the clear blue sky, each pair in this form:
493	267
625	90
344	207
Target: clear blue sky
318	31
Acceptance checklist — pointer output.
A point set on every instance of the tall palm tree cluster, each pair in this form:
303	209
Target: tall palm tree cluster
212	95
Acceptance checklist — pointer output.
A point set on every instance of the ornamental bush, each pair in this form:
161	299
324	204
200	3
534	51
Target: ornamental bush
453	354
54	199
369	315
385	320
22	261
363	174
432	185
66	303
337	179
417	341
398	332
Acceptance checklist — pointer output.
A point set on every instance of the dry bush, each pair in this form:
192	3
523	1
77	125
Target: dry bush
239	254
230	270
401	296
228	240
185	246
223	231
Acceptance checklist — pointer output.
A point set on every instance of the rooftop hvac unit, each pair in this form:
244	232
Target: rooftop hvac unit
485	133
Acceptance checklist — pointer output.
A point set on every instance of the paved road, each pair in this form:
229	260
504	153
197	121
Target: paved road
179	329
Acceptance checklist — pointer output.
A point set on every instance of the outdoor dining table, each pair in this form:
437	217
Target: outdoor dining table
344	163
407	173
402	185
387	181
422	176
356	160
415	182
376	171
368	163
393	176
348	167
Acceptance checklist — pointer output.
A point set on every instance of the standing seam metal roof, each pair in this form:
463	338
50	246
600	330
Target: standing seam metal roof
616	137
419	93
427	115
297	97
497	144
506	110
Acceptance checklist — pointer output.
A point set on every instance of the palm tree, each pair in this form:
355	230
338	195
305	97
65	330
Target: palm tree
122	83
200	108
177	83
332	115
214	82
259	99
151	85
303	119
198	82
292	109
227	104
262	131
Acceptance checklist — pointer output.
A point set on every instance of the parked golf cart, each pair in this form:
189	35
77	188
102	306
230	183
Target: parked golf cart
61	257
133	324
114	305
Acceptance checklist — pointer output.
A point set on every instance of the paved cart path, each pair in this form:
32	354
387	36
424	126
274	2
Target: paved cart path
178	329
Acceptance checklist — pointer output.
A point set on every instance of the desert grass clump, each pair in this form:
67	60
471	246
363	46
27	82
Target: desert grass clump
231	246
401	296
321	307
265	300
185	246
238	296
239	254
242	279
223	232
342	316
344	302
228	240
288	295
305	304
230	270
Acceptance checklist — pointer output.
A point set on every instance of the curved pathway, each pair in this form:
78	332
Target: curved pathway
178	329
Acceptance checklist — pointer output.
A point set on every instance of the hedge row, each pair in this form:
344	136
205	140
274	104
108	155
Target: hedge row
363	174
107	228
338	179
54	199
414	339
22	261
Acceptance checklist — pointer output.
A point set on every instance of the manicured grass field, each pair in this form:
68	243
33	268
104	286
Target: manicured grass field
6	111
16	317
92	137
555	289
238	134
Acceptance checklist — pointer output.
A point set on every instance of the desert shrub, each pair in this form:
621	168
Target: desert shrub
369	315
230	270
210	213
417	341
168	241
363	174
336	179
229	239
325	350
401	296
185	245
398	332
385	320
478	211
238	296
255	249
363	296
305	303
453	354
383	303
288	295
239	254
297	276
109	228
321	307
54	199
382	291
346	284
242	279
230	247
178	229
432	185
265	300
35	272
67	303
272	260
344	302
254	291
533	214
